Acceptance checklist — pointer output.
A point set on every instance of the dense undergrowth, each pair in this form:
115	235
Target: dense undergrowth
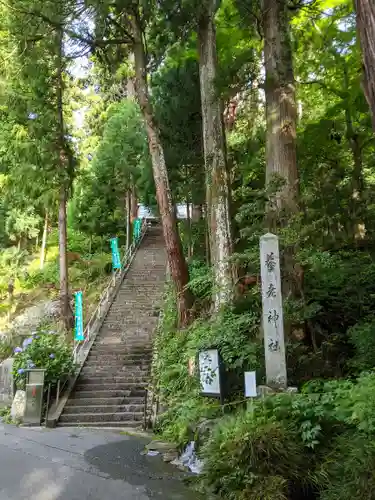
313	444
89	267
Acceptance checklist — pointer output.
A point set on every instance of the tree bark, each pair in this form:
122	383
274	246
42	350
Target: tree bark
196	213
131	95
128	219
217	178
281	115
44	242
133	202
65	309
176	260
365	10
281	156
357	227
188	228
130	88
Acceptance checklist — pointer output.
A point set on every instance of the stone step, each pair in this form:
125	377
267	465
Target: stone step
120	348
121	324
136	308
115	358
146	297
130	333
110	356
132	339
138	276
132	342
130	424
138	280
134	332
123	354
112	347
152	270
124	358
102	417
140	285
130	408
112	379
114	386
103	393
137	317
138	302
105	401
120	372
137	291
116	366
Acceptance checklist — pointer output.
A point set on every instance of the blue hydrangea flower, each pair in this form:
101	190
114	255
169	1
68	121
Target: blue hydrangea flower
52	356
17	350
30	364
20	371
27	342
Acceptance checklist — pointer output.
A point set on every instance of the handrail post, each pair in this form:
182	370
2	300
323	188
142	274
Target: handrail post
48	398
145	412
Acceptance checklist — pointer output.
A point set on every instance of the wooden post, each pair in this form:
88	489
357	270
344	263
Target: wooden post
273	321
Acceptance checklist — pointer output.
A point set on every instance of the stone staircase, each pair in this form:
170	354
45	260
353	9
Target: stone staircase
110	390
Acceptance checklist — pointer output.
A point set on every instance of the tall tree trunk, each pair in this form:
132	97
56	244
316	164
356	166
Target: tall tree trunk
176	260
188	229
44	242
134	202
196	213
207	244
357	228
66	311
130	88
131	95
218	184
366	31
281	115
128	219
281	157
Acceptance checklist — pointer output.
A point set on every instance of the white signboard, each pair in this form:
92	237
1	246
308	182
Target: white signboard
209	373
250	385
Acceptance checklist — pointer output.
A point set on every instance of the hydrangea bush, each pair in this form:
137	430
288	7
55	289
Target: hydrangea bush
43	349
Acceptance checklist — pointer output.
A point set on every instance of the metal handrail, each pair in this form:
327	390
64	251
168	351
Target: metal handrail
145	410
106	295
60	387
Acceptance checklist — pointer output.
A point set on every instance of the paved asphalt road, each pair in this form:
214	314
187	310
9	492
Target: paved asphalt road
79	464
